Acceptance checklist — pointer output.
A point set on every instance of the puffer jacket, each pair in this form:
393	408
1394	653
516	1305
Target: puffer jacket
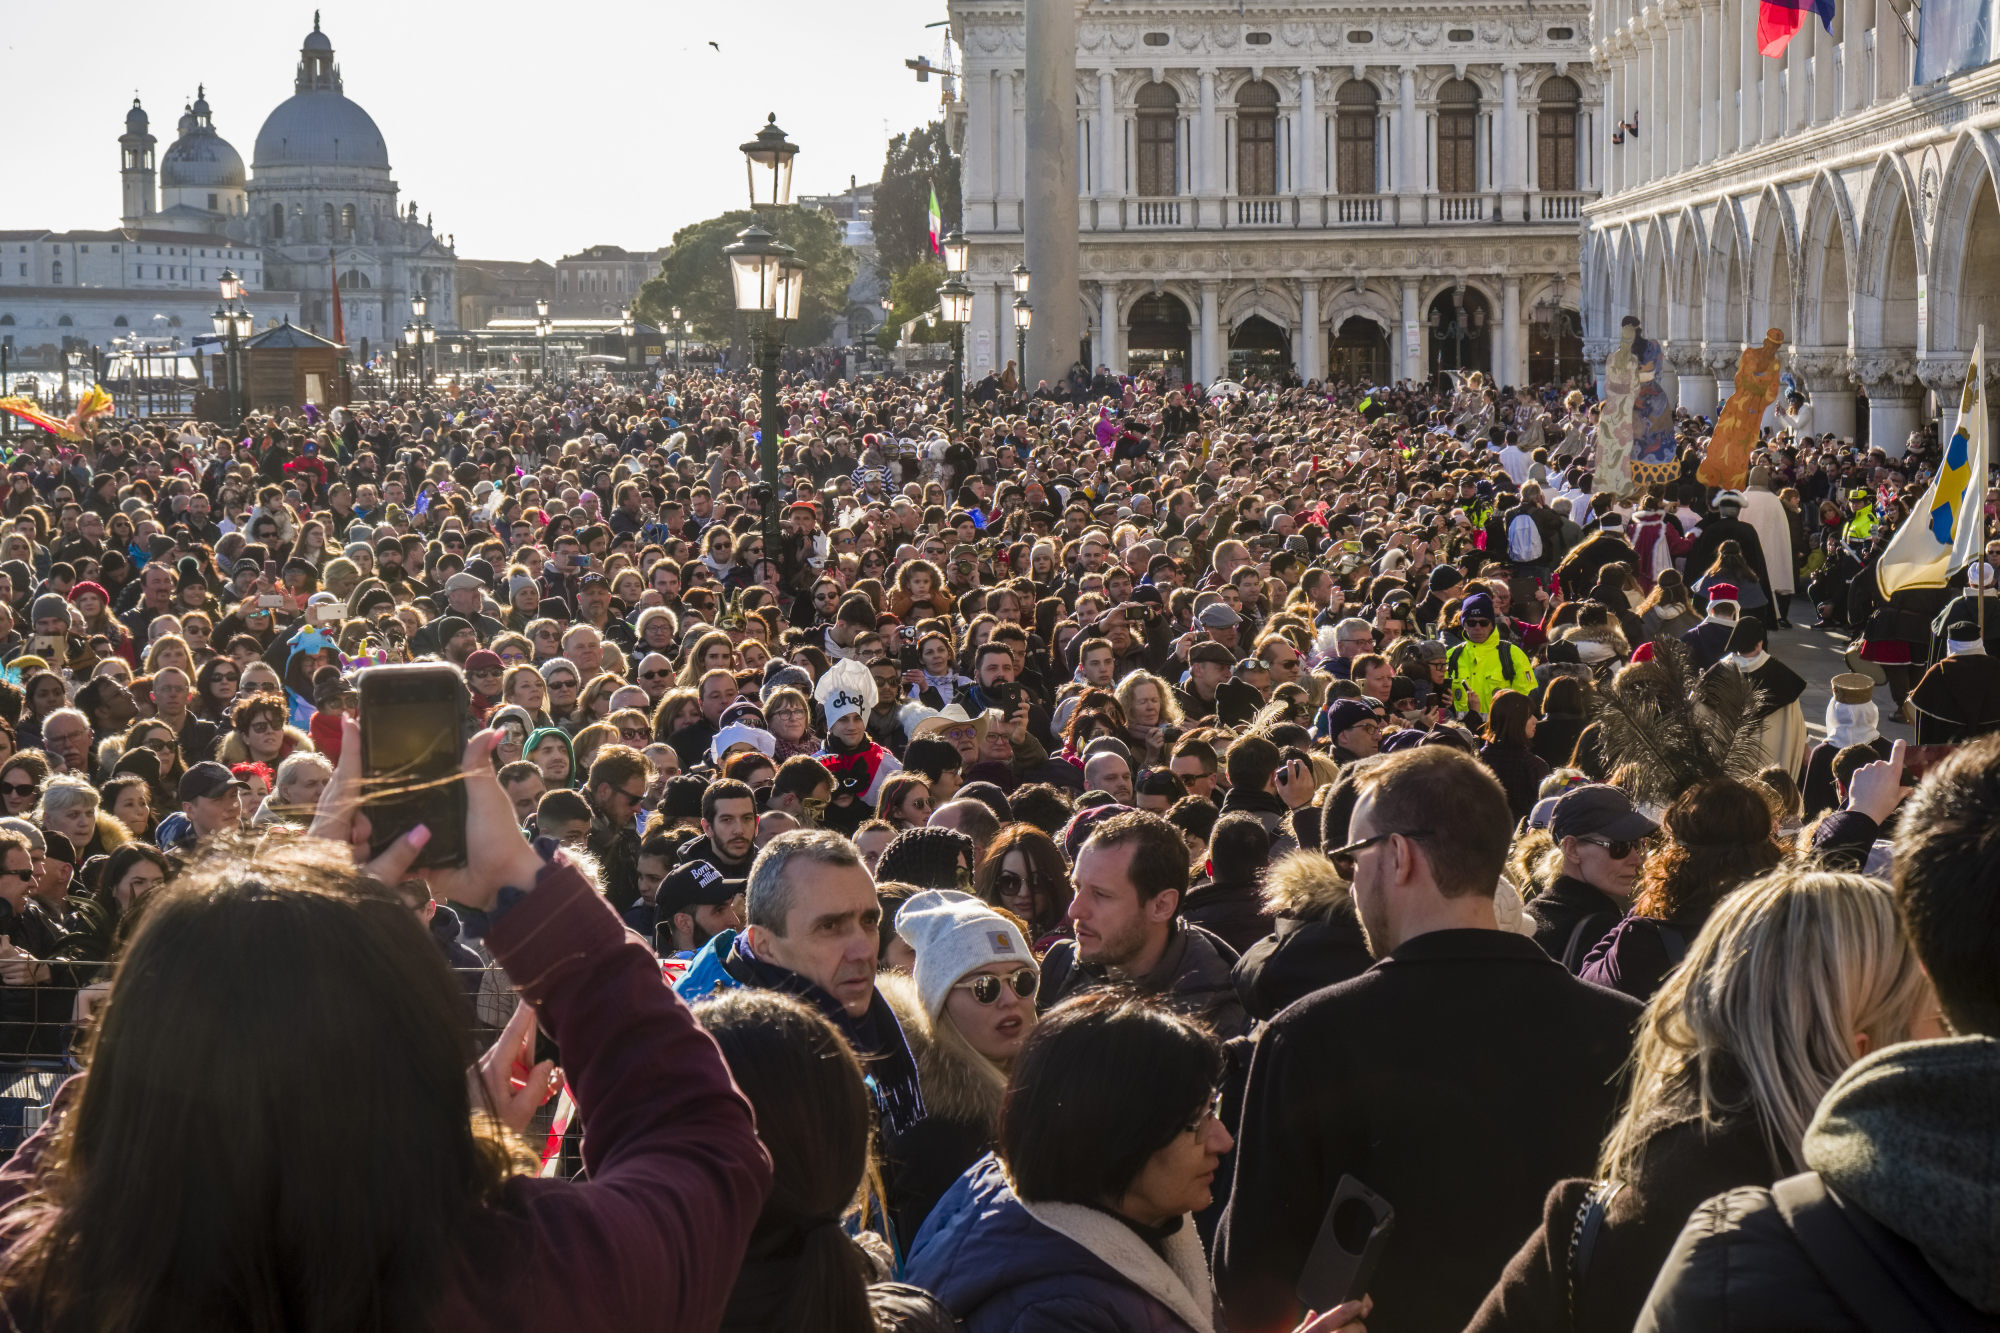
1006	1266
1906	1140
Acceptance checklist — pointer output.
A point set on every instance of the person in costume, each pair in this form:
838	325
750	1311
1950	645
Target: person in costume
858	763
1781	721
1959	697
1851	719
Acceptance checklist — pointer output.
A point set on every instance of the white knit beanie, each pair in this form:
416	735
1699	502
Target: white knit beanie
954	933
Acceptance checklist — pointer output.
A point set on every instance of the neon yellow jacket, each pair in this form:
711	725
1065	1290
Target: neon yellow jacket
1483	669
1862	526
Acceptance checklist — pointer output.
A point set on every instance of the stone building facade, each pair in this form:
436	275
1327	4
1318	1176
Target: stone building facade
1369	191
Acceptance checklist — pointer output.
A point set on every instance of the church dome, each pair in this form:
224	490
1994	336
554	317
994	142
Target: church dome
317	126
135	119
200	159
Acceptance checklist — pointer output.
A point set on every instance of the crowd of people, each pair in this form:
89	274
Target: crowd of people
1002	874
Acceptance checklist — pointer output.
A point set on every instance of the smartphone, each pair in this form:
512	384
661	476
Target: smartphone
1349	1249
330	613
271	570
1007	696
45	647
271	601
415	721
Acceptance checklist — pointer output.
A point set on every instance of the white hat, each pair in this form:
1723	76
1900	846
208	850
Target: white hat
952	934
742	733
848	688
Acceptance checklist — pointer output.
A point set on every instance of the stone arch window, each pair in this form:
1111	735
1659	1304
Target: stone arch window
1354	114
354	280
347	222
1157	131
1555	134
121	323
1458	137
277	222
55	272
65	322
328	218
1257	139
6	321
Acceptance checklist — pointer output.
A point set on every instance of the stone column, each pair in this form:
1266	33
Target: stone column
1003	117
1728	69
1830	384
1595	352
1641	94
1892	55
1108	182
1409	348
1212	358
1693	43
1508	134
1826	72
1305	178
1696	385
1513	369
1712	25
1051	221
1723	358
1749	78
1208	158
1108	351
1855	20
1673	90
1409	152
1943	373
1307	358
1798	79
977	179
1895	398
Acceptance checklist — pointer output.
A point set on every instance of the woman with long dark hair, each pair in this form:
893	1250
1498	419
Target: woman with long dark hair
1718	837
1565	713
290	998
1024	873
1508	752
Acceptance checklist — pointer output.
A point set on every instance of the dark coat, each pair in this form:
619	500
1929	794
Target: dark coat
1000	1270
1458	1078
1638	953
1520	772
1299	956
1193	976
1570	918
1555	738
1679	1166
1958	699
1231	910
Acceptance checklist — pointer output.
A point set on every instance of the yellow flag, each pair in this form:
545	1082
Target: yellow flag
1946	530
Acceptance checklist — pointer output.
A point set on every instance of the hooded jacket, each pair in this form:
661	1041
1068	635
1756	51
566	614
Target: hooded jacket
1193	976
1315	939
1905	1139
1003	1265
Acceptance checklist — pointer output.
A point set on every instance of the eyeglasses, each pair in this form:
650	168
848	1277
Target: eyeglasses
1211	1110
564	683
513	659
655	675
985	987
1354	849
636	798
17	788
17	874
633	734
1616	848
226	678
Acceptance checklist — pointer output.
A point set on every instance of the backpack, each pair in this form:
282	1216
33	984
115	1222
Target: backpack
1524	538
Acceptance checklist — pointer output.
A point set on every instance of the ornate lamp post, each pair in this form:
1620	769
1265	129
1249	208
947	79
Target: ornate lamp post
627	328
1024	318
955	309
676	314
232	323
1556	323
768	283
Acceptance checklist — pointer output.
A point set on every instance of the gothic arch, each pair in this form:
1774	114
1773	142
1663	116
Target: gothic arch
1343	303
1685	316
1964	289
1272	302
1890	256
1826	250
1728	246
1772	267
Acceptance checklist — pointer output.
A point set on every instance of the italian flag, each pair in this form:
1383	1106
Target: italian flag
937	223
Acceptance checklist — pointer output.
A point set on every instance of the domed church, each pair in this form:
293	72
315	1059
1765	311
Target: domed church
317	200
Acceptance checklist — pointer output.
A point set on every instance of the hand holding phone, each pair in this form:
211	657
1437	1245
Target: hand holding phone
1351	1240
415	721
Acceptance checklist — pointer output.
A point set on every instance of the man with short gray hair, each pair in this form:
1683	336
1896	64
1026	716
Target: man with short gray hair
814	932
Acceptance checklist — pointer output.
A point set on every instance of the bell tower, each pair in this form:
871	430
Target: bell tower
136	155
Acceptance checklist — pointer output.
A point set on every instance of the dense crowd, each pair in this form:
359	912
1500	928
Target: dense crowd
1008	875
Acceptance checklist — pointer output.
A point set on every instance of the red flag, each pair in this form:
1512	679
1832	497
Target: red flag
339	324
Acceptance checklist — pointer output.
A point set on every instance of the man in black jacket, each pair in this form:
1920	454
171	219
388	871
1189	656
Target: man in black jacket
1893	1224
1602	841
1458	1078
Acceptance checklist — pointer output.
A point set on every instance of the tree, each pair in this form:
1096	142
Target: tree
916	161
911	293
695	276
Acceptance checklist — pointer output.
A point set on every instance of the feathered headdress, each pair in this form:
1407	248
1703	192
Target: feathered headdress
1669	729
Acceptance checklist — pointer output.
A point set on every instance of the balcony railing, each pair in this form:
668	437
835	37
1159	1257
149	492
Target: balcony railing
1459	207
1156	214
1263	212
1360	210
1560	207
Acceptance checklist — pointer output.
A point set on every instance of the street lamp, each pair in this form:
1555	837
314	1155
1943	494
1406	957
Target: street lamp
543	327
768	282
955	309
424	354
1556	323
232	323
676	313
541	307
1021	276
626	329
957	252
418	304
1024	315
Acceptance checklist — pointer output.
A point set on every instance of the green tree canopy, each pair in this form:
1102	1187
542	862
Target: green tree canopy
695	276
911	293
915	162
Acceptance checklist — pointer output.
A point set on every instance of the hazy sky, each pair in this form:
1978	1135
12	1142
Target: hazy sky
527	130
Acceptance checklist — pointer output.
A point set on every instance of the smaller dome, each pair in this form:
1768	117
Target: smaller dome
135	119
201	162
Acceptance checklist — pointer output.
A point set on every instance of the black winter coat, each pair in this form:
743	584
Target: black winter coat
1233	912
1570	918
1459	1078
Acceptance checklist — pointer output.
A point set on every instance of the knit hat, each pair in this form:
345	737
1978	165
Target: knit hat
989	795
682	799
742	733
569	747
50	606
1083	823
1478	606
925	857
79	589
954	933
1344	713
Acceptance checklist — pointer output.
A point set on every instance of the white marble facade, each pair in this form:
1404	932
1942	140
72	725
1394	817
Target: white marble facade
1302	181
1823	193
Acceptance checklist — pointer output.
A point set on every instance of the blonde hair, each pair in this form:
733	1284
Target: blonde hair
1761	1017
1170	707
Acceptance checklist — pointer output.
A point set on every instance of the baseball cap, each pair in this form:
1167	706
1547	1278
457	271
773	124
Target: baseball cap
1601	809
208	778
695	884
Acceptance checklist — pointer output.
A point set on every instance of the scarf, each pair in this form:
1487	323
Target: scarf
1748	662
876	1036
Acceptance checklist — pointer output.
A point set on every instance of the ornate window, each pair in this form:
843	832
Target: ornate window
277	222
1257	139
1354	137
1157	130
1458	136
1555	134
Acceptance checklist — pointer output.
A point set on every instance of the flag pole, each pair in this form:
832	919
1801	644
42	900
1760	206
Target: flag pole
1979	368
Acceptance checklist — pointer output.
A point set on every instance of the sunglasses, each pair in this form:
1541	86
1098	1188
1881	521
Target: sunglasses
17	788
1343	857
655	675
1616	848
985	987
633	734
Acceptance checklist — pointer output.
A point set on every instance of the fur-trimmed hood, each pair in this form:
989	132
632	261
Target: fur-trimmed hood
1607	636
1303	886
952	1089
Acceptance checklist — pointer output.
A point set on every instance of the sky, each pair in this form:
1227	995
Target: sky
527	130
